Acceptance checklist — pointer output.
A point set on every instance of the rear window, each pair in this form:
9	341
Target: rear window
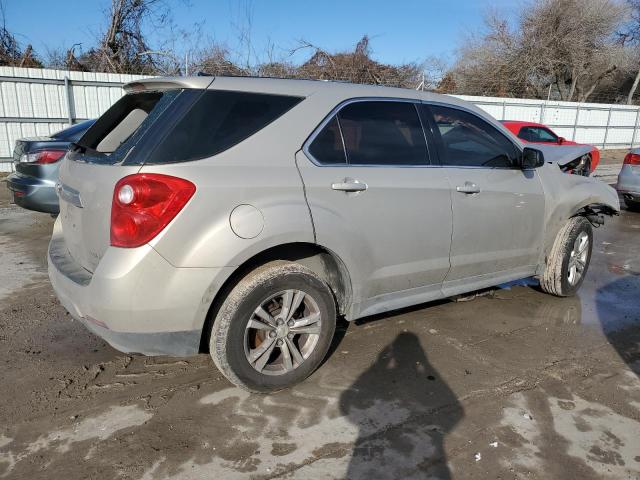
219	120
74	132
119	128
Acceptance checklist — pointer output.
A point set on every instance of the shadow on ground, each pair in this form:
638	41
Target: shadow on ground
400	382
618	305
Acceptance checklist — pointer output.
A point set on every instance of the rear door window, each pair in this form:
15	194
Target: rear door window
219	120
383	133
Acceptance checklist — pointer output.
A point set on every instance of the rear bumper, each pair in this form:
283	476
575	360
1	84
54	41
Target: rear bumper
33	193
177	344
629	182
135	299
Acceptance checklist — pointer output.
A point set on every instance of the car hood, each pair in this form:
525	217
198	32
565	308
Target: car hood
562	154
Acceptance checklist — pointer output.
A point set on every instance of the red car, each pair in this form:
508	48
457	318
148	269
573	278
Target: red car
530	132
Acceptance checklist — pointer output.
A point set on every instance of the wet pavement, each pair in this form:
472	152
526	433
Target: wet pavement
513	384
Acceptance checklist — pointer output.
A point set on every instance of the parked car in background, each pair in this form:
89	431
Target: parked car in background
531	132
240	216
37	161
629	180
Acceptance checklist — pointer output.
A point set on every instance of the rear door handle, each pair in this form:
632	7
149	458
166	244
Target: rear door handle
468	187
349	185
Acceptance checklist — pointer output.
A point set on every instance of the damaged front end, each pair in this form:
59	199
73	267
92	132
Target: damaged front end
595	213
573	159
579	166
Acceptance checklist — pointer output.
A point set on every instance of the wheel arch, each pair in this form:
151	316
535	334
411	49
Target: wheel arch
591	209
322	261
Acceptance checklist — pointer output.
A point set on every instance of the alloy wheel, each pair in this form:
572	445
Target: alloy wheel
578	258
282	332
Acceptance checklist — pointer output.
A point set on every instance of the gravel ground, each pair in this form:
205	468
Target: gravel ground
513	384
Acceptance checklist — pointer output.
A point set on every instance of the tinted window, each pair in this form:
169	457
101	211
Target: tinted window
469	141
537	134
327	147
383	133
218	121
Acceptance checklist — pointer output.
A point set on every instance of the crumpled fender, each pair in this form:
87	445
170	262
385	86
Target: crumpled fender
567	195
562	154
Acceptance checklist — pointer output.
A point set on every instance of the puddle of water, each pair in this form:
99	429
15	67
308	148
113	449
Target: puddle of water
97	428
17	268
593	434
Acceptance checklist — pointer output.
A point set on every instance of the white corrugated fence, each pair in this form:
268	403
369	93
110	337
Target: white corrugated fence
36	102
602	125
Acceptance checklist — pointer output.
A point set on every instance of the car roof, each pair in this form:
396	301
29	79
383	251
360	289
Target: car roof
292	87
331	91
522	124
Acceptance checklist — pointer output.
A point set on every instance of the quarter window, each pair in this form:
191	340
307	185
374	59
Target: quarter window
327	147
469	141
383	133
218	121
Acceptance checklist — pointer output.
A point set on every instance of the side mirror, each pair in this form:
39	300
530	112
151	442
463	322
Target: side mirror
561	140
531	158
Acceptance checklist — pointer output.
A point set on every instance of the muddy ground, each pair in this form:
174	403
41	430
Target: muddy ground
513	385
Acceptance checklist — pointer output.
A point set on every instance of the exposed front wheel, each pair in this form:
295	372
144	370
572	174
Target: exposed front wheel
569	258
274	328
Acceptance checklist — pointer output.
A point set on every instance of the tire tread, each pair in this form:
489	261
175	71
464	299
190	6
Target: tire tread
225	315
551	279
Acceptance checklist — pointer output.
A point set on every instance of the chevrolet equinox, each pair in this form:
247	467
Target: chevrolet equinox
241	216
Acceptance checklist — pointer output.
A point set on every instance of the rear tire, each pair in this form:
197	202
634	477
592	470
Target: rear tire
631	205
253	319
569	258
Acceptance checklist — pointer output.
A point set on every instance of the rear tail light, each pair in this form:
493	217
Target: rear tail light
43	157
144	204
632	159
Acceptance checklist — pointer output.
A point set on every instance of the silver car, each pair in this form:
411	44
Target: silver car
241	216
629	180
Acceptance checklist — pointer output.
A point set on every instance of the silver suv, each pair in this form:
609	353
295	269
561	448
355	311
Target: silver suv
241	216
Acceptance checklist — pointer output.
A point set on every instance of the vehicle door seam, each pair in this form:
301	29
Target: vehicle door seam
304	193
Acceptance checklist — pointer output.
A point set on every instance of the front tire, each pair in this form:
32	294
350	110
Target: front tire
274	328
569	258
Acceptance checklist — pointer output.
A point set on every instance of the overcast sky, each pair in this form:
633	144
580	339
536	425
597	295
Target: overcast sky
408	30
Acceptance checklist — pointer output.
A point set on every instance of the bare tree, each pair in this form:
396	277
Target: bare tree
630	35
123	47
11	53
568	46
214	59
356	66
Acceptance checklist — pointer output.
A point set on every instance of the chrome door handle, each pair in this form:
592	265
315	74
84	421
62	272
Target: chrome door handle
468	187
349	185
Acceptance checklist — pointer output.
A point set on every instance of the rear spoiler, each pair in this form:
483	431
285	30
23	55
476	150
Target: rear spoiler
168	83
